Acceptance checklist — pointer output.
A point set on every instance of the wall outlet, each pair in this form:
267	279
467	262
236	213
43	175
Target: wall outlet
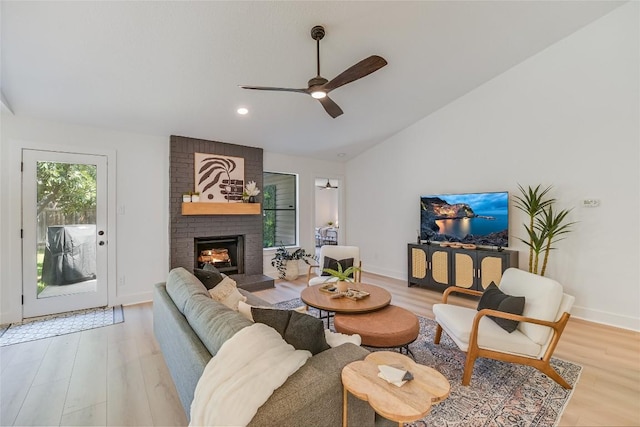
590	203
121	281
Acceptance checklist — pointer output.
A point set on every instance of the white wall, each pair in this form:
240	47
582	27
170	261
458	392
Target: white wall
567	117
307	170
142	182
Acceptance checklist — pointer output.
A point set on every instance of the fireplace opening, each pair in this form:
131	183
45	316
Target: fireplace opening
226	253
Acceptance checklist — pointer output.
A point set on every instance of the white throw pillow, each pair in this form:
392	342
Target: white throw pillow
335	339
245	310
227	293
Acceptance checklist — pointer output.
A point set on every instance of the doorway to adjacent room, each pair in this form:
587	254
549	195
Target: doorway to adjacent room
328	196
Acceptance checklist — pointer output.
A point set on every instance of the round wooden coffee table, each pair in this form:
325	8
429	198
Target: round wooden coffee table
403	404
378	298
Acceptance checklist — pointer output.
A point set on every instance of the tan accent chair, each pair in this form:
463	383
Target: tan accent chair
545	315
337	252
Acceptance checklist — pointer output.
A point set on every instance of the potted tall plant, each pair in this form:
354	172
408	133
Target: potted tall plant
289	270
545	227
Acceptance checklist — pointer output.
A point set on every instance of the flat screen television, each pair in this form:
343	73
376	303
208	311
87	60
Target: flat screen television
481	219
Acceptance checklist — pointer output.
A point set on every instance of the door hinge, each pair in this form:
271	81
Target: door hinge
22	233
22	299
21	166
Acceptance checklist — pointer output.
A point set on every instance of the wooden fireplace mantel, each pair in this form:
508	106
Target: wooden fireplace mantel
205	208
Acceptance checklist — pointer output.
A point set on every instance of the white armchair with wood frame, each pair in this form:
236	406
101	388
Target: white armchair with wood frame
338	253
545	315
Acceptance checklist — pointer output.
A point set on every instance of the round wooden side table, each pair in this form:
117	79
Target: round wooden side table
403	404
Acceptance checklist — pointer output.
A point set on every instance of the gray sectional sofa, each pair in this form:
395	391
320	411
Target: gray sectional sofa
191	327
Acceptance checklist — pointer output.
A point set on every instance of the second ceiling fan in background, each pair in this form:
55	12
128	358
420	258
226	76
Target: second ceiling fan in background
319	87
327	186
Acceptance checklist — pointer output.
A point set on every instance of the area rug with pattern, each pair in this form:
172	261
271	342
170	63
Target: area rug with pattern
500	394
59	324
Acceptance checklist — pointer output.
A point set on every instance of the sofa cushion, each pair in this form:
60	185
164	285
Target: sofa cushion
212	321
457	322
182	285
494	299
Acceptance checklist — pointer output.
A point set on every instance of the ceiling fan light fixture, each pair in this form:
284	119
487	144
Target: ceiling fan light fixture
318	94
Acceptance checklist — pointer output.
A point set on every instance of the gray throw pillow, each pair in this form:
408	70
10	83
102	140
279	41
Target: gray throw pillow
495	299
209	275
277	319
302	331
305	332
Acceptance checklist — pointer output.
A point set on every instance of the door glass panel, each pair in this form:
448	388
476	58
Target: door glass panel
66	228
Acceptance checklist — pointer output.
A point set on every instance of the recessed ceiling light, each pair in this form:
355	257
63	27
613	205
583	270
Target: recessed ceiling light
342	154
242	111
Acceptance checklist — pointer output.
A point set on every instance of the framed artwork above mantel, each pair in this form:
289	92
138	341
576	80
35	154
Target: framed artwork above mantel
219	179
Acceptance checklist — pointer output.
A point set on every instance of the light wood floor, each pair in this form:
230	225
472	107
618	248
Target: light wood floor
116	375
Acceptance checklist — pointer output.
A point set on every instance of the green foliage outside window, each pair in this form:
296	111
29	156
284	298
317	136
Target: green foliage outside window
269	218
71	187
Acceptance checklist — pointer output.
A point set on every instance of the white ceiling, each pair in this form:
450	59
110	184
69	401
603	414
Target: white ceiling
173	68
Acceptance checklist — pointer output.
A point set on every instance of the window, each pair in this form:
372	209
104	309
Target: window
280	202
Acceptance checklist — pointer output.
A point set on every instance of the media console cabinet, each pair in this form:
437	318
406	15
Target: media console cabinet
437	266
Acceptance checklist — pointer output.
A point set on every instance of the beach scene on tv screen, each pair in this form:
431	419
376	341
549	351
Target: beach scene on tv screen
477	218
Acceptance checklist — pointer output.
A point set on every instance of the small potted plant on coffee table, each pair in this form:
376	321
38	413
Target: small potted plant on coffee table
344	277
289	270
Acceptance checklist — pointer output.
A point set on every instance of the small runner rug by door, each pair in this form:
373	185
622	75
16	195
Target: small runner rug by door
59	324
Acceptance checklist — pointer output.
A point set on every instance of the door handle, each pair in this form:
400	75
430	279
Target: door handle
101	243
100	233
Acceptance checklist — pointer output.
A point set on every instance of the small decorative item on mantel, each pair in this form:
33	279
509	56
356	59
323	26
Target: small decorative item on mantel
186	197
195	197
250	192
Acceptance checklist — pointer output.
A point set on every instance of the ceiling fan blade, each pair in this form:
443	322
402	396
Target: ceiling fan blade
357	71
331	107
279	89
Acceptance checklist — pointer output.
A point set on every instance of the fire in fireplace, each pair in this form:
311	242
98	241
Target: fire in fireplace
226	253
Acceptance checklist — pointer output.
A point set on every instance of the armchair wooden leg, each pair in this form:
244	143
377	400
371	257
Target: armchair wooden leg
551	373
468	367
436	339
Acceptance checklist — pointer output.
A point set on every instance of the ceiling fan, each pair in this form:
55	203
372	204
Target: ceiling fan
327	186
319	87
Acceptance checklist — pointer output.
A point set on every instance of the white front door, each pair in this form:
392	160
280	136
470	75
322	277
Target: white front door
65	236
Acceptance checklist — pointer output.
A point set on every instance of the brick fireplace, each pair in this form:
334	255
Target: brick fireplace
185	229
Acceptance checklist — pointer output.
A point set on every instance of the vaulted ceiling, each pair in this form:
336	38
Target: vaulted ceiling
173	68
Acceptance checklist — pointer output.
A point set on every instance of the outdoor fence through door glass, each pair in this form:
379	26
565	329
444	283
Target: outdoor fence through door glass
66	228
